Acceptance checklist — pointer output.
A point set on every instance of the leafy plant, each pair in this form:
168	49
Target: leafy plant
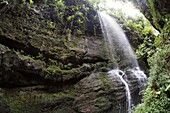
156	98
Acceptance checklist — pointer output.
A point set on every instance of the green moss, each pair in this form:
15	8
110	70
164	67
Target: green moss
34	102
73	42
68	66
4	48
101	102
28	57
68	70
21	104
54	69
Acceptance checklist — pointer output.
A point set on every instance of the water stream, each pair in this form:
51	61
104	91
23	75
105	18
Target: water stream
120	75
123	56
120	47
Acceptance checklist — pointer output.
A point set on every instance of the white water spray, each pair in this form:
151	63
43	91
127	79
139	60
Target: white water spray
121	53
116	38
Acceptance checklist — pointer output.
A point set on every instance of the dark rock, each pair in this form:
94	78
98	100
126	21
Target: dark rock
98	94
4	108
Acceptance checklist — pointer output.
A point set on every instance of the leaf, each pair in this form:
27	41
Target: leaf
167	88
158	41
158	92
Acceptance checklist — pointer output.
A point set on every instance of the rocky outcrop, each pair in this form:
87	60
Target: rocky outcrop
33	52
97	93
47	66
41	64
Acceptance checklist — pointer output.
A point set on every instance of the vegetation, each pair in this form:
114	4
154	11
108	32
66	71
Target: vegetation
51	46
156	49
156	95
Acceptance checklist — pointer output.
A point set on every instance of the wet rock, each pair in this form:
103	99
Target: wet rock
98	94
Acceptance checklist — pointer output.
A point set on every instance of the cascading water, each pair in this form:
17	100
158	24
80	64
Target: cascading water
120	46
120	74
122	55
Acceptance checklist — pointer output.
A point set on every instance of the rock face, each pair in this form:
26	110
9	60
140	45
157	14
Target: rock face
41	64
96	93
33	52
90	93
48	67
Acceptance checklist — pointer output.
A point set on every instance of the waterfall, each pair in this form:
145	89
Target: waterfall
120	74
123	56
117	40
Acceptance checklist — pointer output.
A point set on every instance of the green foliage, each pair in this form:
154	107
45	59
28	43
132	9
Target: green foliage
50	23
139	24
77	18
142	34
146	48
158	17
151	42
31	1
156	98
165	33
59	8
40	56
71	16
158	41
68	66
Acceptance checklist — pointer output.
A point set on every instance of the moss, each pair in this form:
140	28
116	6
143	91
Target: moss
4	48
4	108
54	69
68	66
73	42
35	102
102	103
28	57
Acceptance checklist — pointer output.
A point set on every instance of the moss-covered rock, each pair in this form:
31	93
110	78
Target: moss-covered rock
41	59
36	49
97	93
